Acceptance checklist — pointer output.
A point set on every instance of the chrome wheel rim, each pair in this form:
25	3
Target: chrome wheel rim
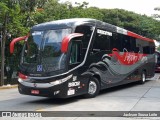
92	87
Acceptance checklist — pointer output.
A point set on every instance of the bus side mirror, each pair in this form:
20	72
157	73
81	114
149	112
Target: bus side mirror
15	40
66	40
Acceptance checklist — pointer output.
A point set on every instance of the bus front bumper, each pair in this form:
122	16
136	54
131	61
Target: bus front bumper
43	89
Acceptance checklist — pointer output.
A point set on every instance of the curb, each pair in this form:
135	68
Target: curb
8	87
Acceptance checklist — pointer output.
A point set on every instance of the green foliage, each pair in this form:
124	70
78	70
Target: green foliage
54	11
140	24
16	19
23	14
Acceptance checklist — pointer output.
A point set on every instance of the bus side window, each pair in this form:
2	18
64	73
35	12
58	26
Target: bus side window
126	43
75	53
87	31
139	45
116	38
101	43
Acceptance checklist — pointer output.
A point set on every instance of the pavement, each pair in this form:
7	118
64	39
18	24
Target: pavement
131	97
13	84
8	86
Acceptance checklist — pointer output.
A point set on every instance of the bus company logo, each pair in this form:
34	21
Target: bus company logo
6	114
104	32
131	57
39	68
21	114
35	85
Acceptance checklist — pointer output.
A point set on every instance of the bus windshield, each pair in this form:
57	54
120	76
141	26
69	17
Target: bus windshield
44	48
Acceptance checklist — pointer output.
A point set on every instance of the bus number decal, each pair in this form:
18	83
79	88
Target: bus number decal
73	84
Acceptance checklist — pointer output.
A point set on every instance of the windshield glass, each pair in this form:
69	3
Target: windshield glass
32	47
44	48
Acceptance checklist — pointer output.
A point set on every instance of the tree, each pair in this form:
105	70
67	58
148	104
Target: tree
28	8
4	15
140	24
54	11
13	22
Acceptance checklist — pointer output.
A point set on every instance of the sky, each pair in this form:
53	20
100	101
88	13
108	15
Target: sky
137	6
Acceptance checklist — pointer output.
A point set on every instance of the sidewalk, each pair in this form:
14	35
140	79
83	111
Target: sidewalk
8	87
13	84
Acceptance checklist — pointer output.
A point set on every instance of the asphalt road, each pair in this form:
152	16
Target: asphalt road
130	97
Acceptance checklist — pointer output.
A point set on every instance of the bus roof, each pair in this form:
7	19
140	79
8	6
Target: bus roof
66	23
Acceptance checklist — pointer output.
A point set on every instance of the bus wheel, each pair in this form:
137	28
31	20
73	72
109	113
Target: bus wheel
143	78
93	88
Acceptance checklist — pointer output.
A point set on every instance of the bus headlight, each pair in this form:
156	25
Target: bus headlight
57	82
22	80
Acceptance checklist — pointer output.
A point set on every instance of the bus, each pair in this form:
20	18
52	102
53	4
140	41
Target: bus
157	68
81	56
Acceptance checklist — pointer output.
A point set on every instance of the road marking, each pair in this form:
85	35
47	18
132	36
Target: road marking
40	110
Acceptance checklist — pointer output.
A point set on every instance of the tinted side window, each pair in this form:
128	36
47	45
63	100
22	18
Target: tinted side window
86	31
139	45
126	43
129	44
102	40
122	42
116	41
133	45
145	47
75	54
152	48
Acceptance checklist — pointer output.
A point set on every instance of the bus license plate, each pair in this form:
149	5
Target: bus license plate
71	92
35	91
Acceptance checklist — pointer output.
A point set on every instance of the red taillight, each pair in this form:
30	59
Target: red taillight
22	76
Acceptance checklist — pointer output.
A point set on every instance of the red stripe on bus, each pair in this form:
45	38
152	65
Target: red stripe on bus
132	34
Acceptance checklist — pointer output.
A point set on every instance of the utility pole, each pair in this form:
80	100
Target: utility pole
4	29
1	80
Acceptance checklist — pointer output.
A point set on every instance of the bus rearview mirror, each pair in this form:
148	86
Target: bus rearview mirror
15	40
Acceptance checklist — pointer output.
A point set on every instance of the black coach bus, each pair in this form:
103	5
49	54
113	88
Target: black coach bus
81	56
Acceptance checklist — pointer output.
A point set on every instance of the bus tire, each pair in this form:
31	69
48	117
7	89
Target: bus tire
143	77
93	88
